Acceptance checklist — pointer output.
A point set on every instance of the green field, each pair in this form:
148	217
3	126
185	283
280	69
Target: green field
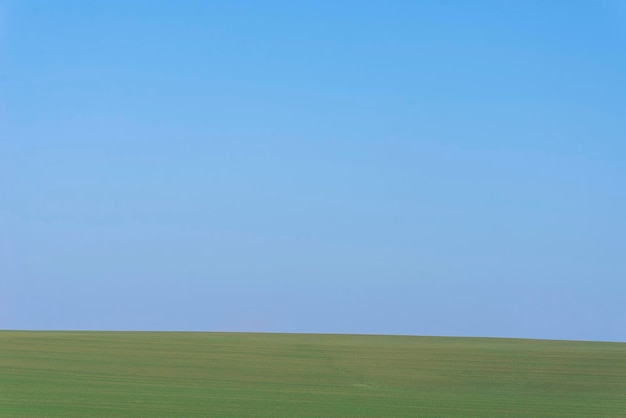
241	375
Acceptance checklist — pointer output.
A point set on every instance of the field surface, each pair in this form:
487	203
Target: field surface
297	375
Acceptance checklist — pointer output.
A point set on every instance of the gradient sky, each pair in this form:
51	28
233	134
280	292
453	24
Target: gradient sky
396	167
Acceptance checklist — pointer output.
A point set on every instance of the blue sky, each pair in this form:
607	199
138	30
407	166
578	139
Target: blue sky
426	168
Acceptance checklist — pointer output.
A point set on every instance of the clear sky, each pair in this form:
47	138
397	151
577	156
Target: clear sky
397	167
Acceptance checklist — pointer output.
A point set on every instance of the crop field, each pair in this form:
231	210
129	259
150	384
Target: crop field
242	375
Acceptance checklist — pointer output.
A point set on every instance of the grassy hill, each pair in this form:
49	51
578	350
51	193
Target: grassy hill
241	375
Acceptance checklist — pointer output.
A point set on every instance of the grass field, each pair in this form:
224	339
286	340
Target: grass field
241	375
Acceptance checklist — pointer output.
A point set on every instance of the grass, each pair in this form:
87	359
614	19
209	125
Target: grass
244	375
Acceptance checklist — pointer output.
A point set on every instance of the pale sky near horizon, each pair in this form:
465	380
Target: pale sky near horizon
397	167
